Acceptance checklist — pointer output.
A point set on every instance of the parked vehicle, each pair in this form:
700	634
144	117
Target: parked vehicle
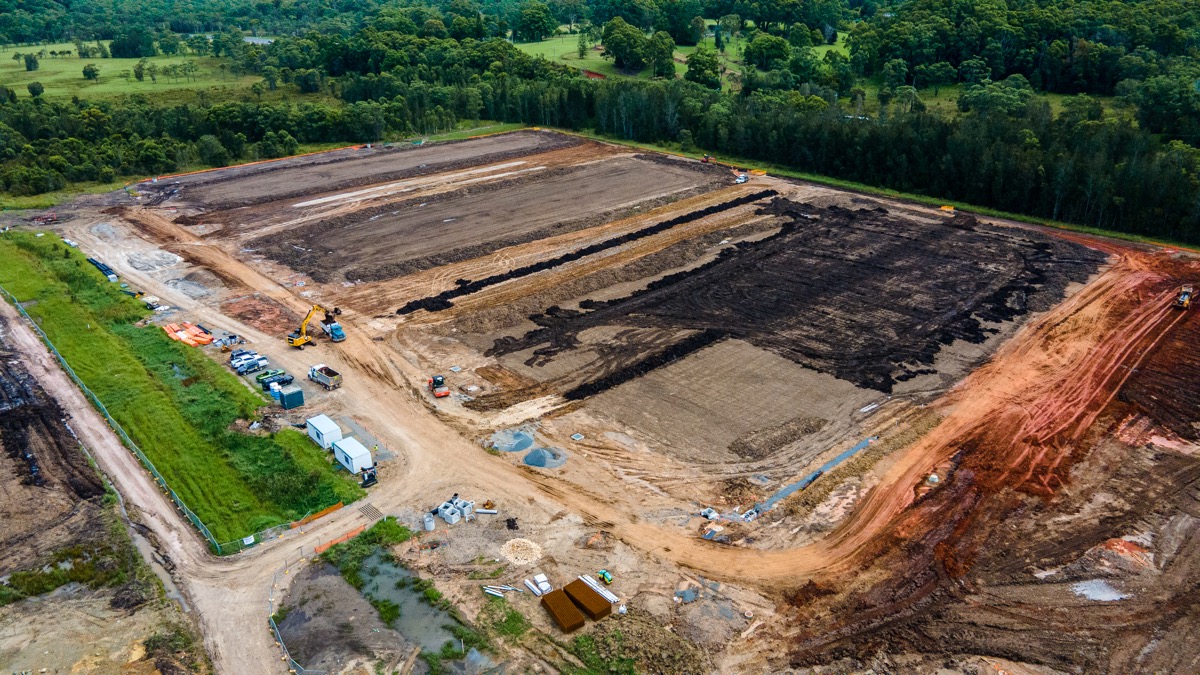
325	376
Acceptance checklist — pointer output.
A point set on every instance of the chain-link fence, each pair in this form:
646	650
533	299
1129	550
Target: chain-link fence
227	548
191	515
290	566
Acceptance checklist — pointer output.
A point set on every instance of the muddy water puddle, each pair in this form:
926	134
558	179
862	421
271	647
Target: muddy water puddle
419	622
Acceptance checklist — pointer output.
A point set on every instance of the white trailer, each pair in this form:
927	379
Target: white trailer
352	455
324	431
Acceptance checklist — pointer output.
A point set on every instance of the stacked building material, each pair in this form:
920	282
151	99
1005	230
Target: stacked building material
189	334
586	598
564	612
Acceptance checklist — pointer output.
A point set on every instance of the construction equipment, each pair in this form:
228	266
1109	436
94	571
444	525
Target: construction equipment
369	477
1184	300
325	376
605	576
136	295
331	326
437	385
300	337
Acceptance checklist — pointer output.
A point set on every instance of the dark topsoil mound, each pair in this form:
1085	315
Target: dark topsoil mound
862	295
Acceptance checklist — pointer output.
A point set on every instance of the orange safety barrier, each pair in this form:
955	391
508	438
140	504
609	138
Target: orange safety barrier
313	516
187	333
345	537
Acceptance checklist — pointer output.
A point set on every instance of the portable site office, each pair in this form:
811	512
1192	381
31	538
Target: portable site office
323	431
352	455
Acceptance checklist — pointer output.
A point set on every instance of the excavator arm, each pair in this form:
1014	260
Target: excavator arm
300	337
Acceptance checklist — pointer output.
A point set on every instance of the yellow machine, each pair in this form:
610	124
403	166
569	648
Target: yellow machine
1184	299
299	337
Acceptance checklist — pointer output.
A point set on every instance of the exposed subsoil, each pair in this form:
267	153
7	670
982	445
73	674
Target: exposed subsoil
859	294
287	179
49	495
1000	583
330	625
390	240
1167	386
261	312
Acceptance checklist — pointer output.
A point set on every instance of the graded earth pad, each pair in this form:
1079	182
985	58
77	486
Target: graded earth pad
394	239
294	177
724	394
861	295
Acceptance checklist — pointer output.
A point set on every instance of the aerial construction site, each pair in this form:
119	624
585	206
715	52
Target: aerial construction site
786	426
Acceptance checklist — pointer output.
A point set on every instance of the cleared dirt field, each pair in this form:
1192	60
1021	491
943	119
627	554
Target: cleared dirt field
373	244
987	419
696	408
857	294
243	186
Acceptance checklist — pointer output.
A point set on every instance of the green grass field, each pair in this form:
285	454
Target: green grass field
564	49
63	77
176	403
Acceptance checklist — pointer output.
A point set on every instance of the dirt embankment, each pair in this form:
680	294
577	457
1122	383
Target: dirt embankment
858	294
1167	386
49	495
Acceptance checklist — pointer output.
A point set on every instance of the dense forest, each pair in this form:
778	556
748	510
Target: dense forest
1119	153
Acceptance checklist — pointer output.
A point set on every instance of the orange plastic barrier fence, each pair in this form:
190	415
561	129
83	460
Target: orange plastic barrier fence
345	537
313	516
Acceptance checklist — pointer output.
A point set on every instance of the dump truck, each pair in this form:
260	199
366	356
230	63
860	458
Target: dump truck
1184	300
299	337
332	328
437	385
325	376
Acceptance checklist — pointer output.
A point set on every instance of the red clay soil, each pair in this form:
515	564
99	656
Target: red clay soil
1013	431
1167	386
262	313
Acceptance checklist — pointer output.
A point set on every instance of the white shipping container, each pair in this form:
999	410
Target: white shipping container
324	431
352	455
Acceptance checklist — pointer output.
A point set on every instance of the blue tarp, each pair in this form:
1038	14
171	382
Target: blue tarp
807	480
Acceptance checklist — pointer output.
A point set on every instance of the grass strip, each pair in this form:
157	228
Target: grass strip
174	402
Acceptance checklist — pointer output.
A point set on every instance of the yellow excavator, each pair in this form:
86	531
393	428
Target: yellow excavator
299	337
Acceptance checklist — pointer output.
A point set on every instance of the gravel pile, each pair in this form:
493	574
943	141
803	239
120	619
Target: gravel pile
521	551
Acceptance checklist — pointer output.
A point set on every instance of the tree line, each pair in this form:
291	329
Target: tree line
418	70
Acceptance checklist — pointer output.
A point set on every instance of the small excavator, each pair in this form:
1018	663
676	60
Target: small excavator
1184	300
300	337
